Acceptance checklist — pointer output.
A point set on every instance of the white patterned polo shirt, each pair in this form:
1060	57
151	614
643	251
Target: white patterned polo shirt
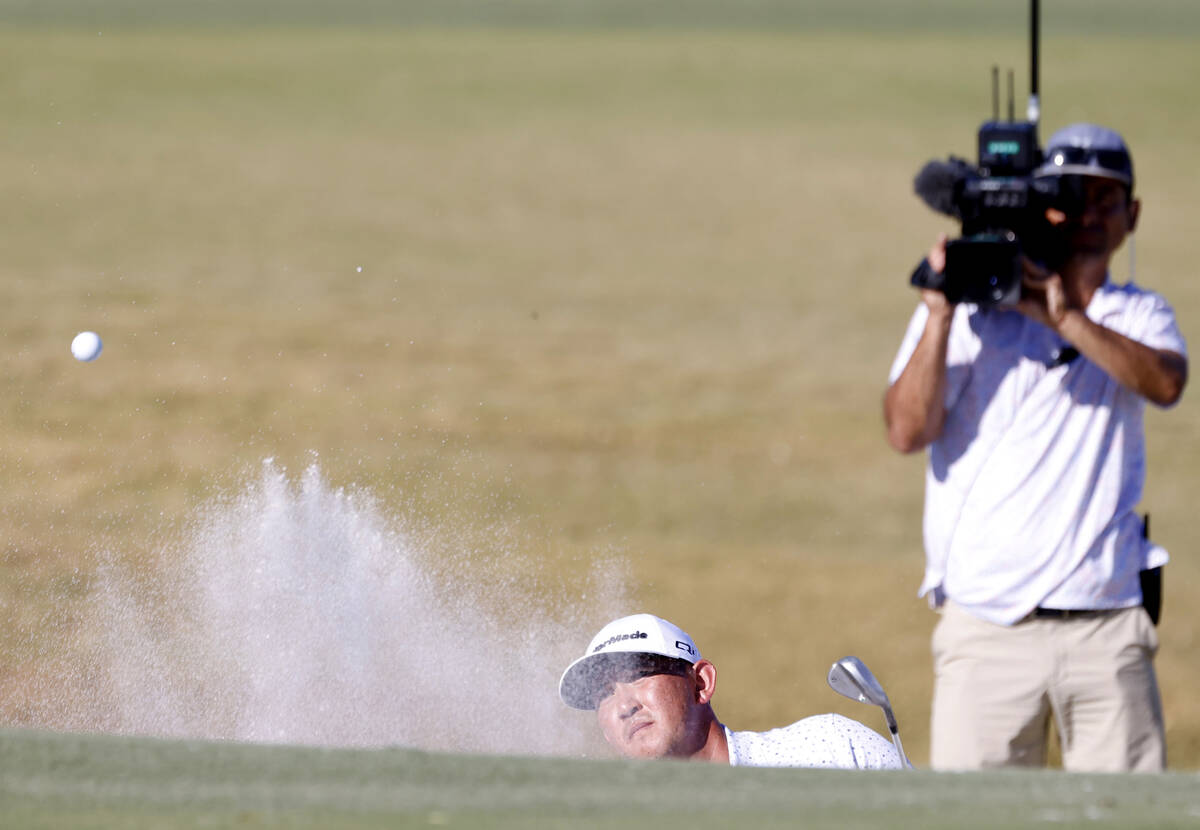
820	741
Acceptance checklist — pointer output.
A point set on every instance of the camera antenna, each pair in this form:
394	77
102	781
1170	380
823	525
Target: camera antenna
1034	111
1011	115
995	92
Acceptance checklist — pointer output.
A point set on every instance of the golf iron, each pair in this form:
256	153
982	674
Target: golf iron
851	678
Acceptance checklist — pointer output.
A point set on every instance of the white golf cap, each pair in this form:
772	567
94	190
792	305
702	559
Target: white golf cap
617	642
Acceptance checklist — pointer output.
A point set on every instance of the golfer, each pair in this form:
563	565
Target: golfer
652	693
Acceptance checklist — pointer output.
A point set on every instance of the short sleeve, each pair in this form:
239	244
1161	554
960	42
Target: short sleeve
1156	326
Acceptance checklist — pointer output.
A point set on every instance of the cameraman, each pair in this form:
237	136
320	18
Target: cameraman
1033	420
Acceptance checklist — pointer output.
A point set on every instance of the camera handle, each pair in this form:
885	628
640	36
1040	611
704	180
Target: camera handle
925	277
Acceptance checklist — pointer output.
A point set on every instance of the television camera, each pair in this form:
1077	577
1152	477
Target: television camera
1000	202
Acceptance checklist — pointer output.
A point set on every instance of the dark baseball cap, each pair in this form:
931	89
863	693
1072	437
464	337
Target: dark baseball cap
1088	150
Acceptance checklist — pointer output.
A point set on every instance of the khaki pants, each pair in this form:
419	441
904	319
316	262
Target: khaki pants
996	687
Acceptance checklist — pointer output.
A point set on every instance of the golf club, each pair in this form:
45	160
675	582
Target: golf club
851	678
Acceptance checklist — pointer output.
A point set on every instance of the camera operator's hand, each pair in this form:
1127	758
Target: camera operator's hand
1158	375
935	300
1043	296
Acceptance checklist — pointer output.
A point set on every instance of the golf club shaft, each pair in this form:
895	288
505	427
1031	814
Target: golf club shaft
891	719
900	749
895	730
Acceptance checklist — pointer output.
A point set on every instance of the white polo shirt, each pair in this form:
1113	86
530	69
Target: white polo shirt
820	741
1031	489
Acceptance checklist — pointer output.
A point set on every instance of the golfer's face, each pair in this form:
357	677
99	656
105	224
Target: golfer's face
648	715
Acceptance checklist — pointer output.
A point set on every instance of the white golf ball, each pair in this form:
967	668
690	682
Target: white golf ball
86	346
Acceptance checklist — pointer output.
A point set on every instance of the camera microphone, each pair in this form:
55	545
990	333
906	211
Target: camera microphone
940	184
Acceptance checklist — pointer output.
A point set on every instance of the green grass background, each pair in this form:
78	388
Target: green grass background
632	277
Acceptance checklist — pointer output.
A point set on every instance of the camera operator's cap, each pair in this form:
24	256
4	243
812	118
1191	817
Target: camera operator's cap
1088	150
629	641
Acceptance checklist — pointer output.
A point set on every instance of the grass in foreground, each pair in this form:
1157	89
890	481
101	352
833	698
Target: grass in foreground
99	782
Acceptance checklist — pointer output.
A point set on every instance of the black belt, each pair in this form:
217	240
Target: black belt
1070	613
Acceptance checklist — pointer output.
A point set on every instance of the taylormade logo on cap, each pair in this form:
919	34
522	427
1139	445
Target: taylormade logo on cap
647	634
635	634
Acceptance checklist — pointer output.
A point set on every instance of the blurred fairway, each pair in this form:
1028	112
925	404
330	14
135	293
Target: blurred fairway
633	289
105	782
951	16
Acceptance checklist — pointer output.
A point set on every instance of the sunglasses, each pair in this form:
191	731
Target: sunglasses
1115	162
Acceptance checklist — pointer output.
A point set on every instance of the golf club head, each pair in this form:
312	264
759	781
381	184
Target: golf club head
851	678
